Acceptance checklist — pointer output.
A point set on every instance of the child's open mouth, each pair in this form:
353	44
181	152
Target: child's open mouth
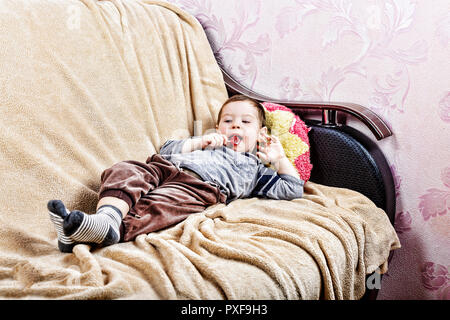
234	140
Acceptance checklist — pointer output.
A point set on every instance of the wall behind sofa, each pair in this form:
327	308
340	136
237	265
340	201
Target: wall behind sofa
391	56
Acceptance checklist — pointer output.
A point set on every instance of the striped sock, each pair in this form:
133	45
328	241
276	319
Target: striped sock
57	213
101	228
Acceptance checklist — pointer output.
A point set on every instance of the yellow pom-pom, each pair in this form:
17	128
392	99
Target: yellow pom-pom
279	121
293	146
288	127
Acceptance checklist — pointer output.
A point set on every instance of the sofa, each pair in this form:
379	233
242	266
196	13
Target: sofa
85	84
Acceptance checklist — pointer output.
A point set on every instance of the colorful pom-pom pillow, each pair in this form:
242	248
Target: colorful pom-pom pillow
293	135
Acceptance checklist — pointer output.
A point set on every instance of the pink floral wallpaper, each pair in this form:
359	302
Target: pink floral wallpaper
392	56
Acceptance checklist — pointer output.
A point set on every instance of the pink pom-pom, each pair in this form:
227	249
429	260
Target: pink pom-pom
299	128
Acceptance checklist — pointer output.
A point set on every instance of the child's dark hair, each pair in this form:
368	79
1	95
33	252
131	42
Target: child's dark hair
240	97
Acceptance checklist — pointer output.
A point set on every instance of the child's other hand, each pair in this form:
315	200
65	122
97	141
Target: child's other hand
214	140
271	151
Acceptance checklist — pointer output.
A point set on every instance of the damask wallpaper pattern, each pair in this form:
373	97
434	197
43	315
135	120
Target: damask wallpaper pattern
392	56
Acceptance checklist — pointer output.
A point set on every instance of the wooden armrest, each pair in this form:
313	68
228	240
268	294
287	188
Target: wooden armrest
378	127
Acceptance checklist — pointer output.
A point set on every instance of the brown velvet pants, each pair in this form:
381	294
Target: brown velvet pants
158	193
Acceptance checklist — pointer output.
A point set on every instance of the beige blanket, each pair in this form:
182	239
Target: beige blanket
84	84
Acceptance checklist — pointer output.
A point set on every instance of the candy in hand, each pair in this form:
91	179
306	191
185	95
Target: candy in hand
234	140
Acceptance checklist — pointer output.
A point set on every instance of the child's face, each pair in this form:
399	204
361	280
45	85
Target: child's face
240	123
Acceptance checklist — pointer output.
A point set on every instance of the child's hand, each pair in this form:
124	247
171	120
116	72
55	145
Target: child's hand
214	140
271	151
